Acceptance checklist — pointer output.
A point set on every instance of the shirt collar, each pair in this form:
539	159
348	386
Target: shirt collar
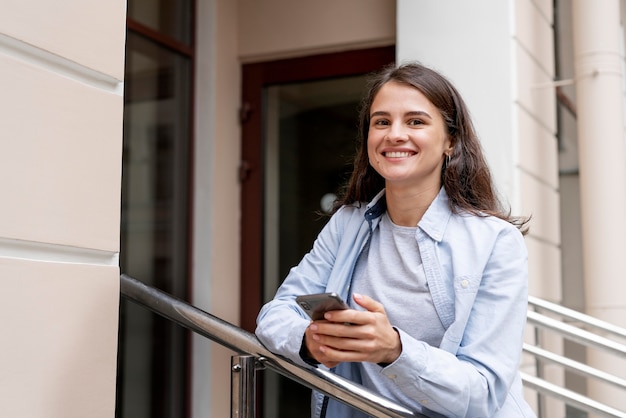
437	215
376	207
432	223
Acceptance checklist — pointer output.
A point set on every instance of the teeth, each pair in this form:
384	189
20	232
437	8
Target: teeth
397	154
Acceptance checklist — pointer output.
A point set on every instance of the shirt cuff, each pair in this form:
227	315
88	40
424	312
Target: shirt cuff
304	354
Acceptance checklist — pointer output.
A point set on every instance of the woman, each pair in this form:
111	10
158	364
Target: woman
435	272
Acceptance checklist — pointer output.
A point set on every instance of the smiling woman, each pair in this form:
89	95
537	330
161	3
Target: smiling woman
407	144
431	268
464	161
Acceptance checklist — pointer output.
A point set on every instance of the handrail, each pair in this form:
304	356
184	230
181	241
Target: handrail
583	329
585	319
572	398
244	342
576	334
575	366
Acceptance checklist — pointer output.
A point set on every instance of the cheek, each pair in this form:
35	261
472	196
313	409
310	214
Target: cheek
372	156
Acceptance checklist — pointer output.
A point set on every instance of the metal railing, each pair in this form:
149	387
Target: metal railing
253	356
583	329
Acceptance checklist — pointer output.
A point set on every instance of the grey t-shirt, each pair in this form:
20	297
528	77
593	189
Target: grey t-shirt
391	272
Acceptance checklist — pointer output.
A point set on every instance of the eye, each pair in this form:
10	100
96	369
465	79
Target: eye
380	122
415	122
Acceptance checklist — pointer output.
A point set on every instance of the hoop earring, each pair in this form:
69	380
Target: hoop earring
447	161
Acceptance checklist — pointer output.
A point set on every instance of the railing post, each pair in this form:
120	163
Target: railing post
242	386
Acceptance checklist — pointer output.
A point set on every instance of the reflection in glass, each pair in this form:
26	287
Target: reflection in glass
171	18
154	243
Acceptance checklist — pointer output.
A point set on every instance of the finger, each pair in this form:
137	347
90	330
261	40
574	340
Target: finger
368	303
344	317
339	356
320	345
330	335
319	353
311	341
375	350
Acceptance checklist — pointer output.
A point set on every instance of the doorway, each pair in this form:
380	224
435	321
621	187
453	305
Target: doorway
299	132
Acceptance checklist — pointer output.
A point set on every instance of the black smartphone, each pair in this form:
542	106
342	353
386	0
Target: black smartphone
315	305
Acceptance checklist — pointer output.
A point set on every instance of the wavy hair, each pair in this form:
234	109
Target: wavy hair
464	175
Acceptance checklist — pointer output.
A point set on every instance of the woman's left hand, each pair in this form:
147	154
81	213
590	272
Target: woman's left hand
358	336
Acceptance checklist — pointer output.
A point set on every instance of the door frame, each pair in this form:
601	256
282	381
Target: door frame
255	77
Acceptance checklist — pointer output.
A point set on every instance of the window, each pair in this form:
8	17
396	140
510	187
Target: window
155	234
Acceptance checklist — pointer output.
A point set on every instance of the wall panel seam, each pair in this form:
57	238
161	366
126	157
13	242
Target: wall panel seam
39	251
542	240
549	72
539	11
49	61
542	181
535	117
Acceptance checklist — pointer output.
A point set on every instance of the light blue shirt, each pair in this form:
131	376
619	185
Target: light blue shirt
476	268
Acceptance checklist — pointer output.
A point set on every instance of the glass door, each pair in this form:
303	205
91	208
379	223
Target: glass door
309	136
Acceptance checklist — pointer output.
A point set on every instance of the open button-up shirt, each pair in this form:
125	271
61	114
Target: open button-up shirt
476	268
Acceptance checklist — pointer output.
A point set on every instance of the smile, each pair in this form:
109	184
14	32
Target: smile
398	154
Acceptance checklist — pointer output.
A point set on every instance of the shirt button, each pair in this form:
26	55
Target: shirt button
424	401
391	376
464	283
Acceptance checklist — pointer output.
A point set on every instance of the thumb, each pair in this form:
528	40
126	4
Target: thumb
368	303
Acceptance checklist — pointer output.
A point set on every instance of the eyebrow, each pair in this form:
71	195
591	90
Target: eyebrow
411	113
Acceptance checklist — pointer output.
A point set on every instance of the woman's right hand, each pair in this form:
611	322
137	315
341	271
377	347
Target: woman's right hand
354	335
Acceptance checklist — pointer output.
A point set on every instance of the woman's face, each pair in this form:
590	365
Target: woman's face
407	139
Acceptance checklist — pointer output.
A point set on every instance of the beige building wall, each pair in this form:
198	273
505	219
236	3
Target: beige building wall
536	131
217	233
273	29
61	77
606	304
598	62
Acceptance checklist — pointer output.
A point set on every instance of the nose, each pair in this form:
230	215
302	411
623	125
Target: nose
397	133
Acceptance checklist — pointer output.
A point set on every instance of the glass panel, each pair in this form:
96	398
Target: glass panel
172	18
154	243
310	132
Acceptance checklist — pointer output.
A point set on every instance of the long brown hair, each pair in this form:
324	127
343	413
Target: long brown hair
465	174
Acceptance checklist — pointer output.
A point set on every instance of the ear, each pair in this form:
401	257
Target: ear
449	149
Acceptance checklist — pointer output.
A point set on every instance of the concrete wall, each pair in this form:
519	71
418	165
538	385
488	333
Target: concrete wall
61	77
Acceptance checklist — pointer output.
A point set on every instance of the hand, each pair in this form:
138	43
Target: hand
351	335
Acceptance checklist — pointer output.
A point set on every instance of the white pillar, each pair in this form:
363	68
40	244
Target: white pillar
602	167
